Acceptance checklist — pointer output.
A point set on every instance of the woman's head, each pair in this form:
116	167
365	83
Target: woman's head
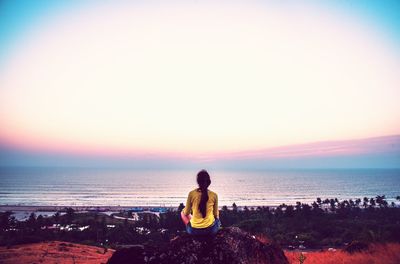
203	179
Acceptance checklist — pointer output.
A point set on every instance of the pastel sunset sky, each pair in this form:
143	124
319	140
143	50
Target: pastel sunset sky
202	81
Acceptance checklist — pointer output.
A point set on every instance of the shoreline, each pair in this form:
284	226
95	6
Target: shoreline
97	208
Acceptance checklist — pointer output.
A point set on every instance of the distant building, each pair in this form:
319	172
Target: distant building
136	209
158	210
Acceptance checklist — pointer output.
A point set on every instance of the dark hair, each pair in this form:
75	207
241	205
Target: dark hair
203	179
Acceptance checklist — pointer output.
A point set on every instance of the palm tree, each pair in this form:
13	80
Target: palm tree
57	217
372	202
70	213
365	204
298	206
333	205
358	201
234	207
5	220
380	200
32	220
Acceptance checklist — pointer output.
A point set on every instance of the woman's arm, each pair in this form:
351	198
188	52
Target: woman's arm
188	207
185	218
185	214
215	209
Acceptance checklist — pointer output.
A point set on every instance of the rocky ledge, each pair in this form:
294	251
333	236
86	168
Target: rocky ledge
230	245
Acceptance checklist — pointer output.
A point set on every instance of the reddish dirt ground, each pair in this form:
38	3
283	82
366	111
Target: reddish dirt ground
377	254
65	253
54	252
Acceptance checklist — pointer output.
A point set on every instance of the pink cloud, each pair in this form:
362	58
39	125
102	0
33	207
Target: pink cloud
375	145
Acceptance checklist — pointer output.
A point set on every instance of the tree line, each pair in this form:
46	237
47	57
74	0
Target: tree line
323	223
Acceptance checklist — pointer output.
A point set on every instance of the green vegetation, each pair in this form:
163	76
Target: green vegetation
328	223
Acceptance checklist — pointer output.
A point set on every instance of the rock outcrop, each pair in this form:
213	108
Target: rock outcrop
230	245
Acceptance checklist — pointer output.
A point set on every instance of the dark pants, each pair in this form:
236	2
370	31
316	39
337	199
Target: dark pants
211	230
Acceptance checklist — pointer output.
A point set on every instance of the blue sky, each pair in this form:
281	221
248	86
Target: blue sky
385	13
19	16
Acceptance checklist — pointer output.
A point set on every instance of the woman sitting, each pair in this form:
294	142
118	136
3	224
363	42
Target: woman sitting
203	204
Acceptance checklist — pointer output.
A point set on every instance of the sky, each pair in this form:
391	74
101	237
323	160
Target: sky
185	81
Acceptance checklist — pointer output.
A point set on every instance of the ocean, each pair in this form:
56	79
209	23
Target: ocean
130	187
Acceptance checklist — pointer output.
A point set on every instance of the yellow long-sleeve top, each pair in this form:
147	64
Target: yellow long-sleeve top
192	206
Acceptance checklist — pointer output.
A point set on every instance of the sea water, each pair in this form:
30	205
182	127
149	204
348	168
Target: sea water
130	187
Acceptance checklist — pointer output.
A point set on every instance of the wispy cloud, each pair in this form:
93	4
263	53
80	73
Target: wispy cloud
382	152
375	145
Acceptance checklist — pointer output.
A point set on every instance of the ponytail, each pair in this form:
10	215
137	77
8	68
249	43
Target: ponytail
203	179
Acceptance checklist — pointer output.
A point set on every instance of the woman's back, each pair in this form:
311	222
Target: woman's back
192	206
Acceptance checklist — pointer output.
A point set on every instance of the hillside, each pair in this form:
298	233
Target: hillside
54	252
66	253
377	253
